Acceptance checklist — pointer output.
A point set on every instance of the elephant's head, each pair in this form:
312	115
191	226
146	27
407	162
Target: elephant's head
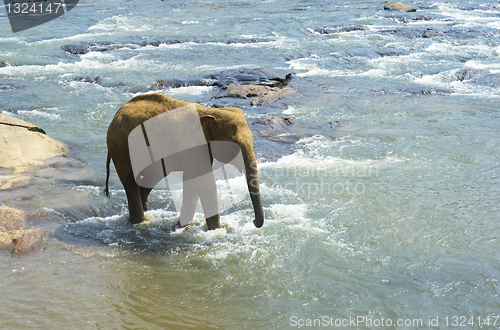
229	124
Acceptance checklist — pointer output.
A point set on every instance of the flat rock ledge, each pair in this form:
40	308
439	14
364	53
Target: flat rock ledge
390	5
265	94
15	237
24	144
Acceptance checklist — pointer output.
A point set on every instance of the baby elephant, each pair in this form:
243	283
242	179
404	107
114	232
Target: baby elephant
153	135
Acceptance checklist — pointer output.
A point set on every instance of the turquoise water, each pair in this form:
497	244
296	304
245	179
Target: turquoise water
387	207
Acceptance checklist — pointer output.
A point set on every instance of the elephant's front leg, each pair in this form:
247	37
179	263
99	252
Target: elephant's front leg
144	197
189	201
133	192
207	190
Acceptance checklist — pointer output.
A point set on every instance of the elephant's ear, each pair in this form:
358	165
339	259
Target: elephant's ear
208	120
208	123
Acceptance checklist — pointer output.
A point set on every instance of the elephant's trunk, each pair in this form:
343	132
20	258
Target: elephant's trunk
253	188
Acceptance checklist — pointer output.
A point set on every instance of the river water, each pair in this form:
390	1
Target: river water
384	208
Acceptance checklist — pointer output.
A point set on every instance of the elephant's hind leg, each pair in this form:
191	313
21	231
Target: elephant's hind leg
144	197
135	206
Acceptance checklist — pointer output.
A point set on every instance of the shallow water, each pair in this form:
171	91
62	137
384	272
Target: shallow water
387	207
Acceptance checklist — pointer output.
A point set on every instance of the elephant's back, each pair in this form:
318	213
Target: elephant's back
138	110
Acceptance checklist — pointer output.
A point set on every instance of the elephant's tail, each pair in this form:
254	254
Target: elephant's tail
108	161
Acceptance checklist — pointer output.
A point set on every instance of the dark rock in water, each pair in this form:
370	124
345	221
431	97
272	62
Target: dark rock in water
238	83
464	33
161	85
175	83
339	29
137	42
461	33
423	91
334	124
4	86
81	48
264	77
162	41
471	74
249	41
483	6
417	91
3	64
413	33
383	52
408	33
389	5
409	18
93	80
374	53
103	46
276	122
267	94
431	33
275	137
478	76
261	77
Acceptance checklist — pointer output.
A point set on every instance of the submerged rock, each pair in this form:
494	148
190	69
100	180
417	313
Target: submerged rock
471	74
483	6
389	5
409	18
2	64
162	85
273	95
138	42
478	76
81	48
14	236
431	33
460	33
11	182
91	80
22	241
274	137
244	91
267	94
244	76
416	91
267	84
277	122
11	219
103	46
24	144
375	53
339	29
249	41
6	86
